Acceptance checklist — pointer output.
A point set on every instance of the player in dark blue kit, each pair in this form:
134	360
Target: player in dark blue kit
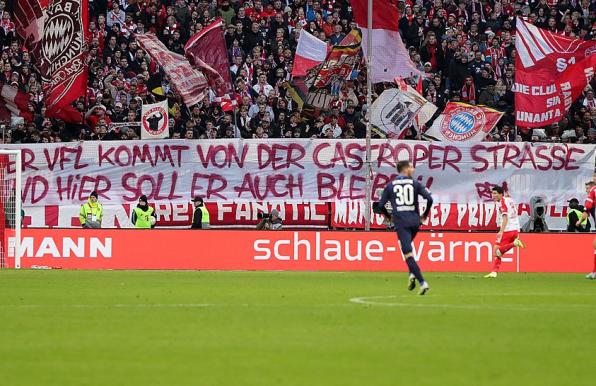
403	194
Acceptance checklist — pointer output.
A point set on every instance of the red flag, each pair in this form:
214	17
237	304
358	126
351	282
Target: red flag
227	102
187	81
29	19
207	50
15	101
63	53
551	71
67	113
462	122
390	58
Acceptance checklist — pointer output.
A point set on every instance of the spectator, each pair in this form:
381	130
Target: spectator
450	40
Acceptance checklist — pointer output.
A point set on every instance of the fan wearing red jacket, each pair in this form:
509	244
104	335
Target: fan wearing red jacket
590	206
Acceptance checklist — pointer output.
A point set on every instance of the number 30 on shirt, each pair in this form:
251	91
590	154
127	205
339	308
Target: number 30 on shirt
404	194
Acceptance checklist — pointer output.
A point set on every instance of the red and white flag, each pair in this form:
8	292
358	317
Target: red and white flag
207	51
462	122
551	71
29	21
227	102
188	82
64	51
310	52
390	58
155	121
14	103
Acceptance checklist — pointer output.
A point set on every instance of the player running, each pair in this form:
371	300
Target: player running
589	210
403	193
508	222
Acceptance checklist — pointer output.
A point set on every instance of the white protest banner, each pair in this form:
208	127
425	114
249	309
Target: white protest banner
294	170
155	121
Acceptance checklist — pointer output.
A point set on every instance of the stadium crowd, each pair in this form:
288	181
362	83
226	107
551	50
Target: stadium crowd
466	46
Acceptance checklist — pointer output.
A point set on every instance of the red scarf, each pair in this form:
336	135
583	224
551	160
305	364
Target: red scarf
468	93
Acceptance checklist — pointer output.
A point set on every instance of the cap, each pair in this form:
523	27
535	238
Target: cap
573	201
118	104
428	64
197	199
93	194
143	198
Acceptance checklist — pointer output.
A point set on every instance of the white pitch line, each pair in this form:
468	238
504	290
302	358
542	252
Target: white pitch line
371	301
156	305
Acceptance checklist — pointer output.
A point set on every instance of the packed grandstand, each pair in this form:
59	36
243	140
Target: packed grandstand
464	50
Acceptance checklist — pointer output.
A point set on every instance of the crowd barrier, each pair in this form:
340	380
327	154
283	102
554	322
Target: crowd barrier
292	250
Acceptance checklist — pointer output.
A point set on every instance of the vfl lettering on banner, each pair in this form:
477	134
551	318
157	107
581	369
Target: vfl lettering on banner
292	170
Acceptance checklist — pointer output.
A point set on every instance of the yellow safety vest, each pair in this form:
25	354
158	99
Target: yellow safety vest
204	215
143	217
90	212
579	216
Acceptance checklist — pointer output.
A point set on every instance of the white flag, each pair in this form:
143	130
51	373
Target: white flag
390	58
155	121
394	110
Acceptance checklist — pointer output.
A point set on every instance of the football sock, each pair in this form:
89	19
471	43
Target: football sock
497	264
414	269
594	269
504	248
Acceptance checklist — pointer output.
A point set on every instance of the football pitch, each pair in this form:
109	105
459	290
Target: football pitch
138	328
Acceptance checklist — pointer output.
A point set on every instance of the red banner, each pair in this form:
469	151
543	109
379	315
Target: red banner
62	64
551	71
338	215
207	50
293	251
169	215
187	81
442	217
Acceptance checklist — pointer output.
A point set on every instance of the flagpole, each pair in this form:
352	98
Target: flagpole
368	202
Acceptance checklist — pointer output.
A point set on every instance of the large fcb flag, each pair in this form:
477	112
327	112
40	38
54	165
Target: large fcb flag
56	31
461	122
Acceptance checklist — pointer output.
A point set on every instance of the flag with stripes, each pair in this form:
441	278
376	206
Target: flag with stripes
13	103
551	70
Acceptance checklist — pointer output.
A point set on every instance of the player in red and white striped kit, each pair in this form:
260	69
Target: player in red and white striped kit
508	222
589	206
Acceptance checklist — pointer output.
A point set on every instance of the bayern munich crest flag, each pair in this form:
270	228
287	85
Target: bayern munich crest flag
461	122
155	121
55	31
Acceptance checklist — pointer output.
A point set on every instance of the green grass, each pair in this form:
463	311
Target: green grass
282	328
